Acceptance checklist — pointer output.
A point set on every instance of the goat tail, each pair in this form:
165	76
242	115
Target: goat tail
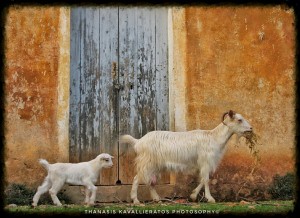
44	163
128	139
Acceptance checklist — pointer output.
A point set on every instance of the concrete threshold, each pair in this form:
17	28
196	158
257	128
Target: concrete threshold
117	193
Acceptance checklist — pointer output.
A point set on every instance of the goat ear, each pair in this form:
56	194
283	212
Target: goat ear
224	116
231	114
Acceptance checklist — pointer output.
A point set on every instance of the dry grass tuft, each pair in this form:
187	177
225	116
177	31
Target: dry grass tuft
251	141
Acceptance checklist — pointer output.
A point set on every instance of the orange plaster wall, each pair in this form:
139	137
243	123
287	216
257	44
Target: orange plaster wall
31	79
243	58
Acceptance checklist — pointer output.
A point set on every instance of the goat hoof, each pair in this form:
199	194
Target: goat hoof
193	197
137	202
157	200
211	200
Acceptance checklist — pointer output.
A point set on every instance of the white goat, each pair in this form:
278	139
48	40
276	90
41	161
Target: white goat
199	150
84	173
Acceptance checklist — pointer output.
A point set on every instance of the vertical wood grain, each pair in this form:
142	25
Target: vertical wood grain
128	115
90	70
161	66
75	71
145	39
108	95
119	83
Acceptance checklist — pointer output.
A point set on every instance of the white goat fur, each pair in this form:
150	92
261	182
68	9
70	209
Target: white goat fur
199	150
84	173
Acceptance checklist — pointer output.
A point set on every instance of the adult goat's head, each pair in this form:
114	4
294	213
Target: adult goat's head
236	123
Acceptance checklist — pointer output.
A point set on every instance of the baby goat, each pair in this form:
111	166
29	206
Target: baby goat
84	173
199	150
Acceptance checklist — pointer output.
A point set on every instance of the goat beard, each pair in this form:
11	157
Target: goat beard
237	138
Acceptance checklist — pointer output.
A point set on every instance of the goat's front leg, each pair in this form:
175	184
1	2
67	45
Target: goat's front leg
208	196
91	188
204	174
196	191
87	196
205	180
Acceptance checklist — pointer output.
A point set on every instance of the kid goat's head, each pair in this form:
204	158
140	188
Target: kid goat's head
236	123
105	160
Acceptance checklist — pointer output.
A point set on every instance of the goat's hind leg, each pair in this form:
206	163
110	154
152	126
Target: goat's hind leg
134	189
41	190
56	187
152	190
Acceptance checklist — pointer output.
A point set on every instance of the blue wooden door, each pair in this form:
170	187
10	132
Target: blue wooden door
119	83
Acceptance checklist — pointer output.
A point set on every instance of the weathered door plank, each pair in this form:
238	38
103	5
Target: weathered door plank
90	69
128	117
107	93
161	74
161	66
75	69
146	108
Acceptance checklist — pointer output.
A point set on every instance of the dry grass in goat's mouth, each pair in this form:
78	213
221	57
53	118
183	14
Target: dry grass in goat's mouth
251	140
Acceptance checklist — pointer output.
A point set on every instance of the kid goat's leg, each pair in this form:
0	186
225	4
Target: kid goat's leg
57	185
41	190
90	187
93	189
87	195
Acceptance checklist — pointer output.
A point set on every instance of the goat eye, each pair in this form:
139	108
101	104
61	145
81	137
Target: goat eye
240	120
